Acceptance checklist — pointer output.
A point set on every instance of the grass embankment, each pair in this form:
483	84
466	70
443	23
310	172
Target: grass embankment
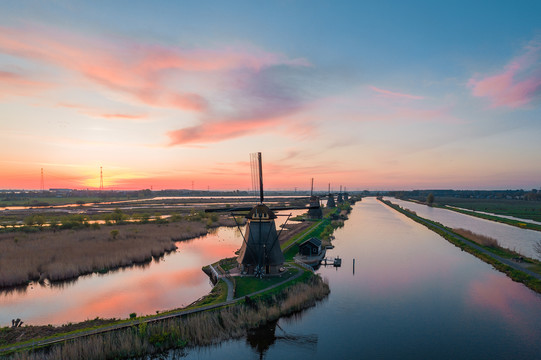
517	223
203	328
523	209
492	248
66	254
53	200
323	229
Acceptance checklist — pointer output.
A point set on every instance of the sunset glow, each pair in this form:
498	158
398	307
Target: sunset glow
365	95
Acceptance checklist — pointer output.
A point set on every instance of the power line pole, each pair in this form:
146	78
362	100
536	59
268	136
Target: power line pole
42	185
101	178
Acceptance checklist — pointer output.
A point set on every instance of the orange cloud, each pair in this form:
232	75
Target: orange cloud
102	114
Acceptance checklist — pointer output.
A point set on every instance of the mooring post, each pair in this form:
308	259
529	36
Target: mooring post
353	266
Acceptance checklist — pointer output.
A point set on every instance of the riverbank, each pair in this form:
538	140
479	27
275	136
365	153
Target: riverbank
503	210
528	271
61	255
197	328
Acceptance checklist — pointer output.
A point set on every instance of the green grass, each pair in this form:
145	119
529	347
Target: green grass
249	284
518	208
216	296
520	224
303	278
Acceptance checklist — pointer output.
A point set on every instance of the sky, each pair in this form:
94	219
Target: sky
375	95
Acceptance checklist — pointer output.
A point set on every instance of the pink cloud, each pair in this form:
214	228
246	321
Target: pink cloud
518	85
392	94
211	132
141	70
14	84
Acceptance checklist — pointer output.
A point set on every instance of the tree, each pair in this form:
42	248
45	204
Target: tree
116	215
537	247
114	234
430	199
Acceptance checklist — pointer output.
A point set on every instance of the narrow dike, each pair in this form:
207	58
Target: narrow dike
503	261
210	320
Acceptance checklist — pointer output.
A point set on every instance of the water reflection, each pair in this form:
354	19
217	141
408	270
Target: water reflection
511	237
168	282
143	289
413	296
263	337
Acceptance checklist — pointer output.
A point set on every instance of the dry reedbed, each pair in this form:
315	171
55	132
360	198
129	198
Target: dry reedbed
205	328
67	254
478	238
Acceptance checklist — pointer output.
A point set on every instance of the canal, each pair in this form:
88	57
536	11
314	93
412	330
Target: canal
411	295
511	237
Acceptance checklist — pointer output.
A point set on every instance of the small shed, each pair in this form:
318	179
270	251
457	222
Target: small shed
310	247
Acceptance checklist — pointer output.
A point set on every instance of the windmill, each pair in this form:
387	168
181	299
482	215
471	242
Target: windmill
260	252
339	198
330	199
315	211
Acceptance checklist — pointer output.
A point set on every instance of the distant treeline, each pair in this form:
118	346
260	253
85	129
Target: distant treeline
533	195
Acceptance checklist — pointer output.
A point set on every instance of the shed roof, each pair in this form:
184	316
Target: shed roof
313	241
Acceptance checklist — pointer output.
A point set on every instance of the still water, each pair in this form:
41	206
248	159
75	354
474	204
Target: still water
411	295
511	237
172	281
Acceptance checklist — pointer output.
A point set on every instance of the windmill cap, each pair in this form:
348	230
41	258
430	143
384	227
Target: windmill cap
262	212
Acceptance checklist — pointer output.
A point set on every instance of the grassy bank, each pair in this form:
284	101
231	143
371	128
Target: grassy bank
203	328
511	207
323	229
66	254
517	223
487	255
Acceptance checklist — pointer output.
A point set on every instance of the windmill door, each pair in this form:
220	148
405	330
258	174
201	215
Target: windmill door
267	269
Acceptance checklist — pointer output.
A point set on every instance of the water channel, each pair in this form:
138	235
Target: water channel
173	281
411	295
511	237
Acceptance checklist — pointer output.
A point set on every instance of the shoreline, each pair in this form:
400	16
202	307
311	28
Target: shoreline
91	251
501	261
214	300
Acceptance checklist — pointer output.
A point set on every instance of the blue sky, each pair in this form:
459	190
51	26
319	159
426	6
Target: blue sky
379	95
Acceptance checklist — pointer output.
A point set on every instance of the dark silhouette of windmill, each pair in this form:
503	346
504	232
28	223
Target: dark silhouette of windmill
315	211
339	198
330	199
260	252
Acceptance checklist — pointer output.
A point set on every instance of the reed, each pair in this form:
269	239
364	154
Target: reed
204	328
478	238
66	254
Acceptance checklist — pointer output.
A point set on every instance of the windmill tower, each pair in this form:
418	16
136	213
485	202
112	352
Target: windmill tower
315	211
339	198
260	252
330	199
